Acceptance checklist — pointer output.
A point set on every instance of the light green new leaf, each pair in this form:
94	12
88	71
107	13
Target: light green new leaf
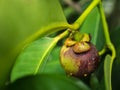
92	26
107	72
33	58
21	19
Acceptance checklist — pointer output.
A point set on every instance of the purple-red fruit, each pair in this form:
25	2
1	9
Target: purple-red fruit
79	64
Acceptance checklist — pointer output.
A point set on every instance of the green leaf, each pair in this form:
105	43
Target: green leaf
32	59
47	82
107	72
93	27
53	64
114	37
116	72
21	19
94	83
116	65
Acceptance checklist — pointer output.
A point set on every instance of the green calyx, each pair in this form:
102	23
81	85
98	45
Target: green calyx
80	42
81	47
81	37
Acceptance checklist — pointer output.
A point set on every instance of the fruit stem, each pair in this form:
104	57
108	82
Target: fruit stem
80	20
62	35
102	51
83	16
108	41
106	32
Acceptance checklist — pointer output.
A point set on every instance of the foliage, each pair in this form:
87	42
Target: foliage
37	29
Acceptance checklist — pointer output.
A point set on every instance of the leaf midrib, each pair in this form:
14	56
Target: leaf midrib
46	52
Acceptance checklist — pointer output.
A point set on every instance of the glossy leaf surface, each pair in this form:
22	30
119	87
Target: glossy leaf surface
21	19
32	59
53	64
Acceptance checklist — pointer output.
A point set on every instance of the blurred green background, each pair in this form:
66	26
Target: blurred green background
19	19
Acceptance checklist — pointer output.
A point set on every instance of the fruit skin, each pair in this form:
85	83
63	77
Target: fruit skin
79	64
